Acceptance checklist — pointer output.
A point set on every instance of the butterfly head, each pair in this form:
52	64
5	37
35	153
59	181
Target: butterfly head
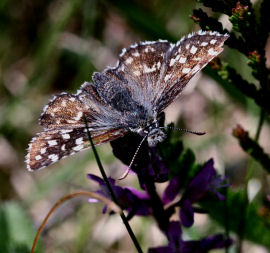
154	134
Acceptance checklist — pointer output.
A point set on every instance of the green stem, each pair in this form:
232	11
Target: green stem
256	138
259	128
102	171
250	171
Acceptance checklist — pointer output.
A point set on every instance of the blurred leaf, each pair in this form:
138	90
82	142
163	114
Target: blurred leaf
230	213
184	163
144	21
62	175
17	232
237	95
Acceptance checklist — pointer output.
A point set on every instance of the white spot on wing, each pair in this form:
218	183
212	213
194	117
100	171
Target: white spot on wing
136	54
129	60
182	60
52	143
78	148
79	115
193	50
45	108
213	42
66	136
79	141
38	157
211	51
201	32
167	77
65	131
53	157
185	70
203	44
43	150
123	52
149	70
172	62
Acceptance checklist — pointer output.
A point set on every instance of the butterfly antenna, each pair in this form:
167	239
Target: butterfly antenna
184	130
133	158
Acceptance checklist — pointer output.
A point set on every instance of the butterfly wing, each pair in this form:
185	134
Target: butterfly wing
138	72
69	111
185	59
50	146
64	122
156	72
147	78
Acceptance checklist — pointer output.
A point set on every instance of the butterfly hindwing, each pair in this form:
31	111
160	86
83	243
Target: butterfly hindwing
62	111
50	146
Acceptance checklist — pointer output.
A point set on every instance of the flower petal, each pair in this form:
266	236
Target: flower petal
187	214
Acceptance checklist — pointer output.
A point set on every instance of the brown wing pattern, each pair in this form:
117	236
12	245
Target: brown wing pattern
140	69
156	72
186	58
62	111
50	146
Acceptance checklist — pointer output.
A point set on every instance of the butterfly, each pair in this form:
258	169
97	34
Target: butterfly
126	98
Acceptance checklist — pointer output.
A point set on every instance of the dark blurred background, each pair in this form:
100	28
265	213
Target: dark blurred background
47	47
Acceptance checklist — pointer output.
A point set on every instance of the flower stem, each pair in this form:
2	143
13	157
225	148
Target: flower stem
256	138
248	177
158	211
102	171
259	129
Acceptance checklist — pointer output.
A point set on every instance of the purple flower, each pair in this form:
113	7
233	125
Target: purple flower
175	240
172	190
204	182
177	245
130	199
217	241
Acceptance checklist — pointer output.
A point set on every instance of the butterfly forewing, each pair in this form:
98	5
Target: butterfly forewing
186	58
141	67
